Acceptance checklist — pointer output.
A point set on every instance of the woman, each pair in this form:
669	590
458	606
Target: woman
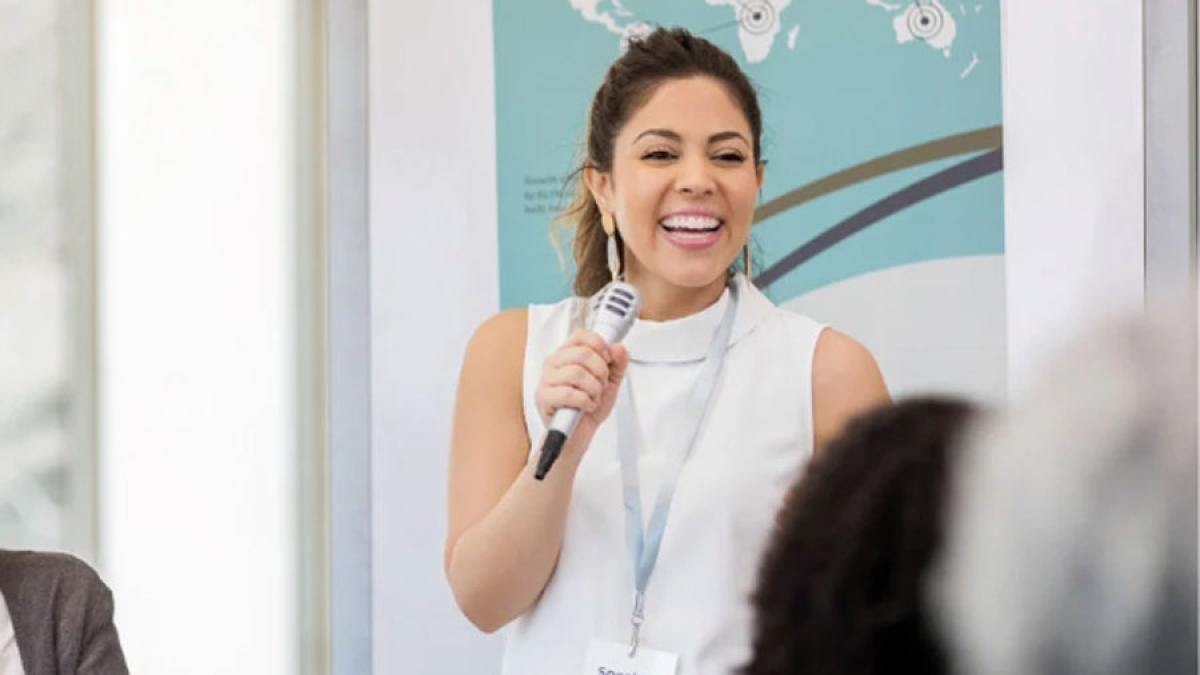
668	192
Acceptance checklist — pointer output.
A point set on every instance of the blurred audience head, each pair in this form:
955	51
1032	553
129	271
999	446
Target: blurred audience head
1072	543
842	584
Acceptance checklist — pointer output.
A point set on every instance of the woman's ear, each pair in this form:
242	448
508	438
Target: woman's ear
761	170
600	185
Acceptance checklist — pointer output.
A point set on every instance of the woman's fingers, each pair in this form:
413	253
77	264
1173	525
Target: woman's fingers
620	362
578	377
581	375
566	396
587	338
578	355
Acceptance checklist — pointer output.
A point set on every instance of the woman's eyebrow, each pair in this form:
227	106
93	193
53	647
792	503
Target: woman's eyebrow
726	135
665	133
671	135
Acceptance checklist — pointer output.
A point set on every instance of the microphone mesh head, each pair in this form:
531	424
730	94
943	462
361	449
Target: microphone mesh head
614	299
618	303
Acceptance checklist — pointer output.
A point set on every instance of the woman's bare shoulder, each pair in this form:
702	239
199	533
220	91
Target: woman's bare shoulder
495	358
502	331
846	383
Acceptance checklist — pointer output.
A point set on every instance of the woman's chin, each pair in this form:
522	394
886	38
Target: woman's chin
695	275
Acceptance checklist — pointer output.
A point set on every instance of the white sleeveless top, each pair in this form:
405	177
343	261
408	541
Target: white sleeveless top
755	438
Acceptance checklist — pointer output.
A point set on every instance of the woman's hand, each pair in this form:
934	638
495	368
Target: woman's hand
585	373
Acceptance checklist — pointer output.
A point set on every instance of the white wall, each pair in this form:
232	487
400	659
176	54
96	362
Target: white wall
434	278
196	160
1073	155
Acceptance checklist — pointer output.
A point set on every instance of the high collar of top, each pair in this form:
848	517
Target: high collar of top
687	339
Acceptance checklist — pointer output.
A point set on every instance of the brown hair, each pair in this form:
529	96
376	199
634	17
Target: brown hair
649	61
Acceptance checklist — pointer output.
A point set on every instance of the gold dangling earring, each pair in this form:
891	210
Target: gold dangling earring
746	262
614	257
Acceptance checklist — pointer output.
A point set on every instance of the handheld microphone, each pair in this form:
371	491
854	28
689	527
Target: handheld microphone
613	312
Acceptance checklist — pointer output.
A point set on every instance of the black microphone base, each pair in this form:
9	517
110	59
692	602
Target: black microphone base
551	448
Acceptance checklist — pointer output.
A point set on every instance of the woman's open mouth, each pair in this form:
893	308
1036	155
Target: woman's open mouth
691	231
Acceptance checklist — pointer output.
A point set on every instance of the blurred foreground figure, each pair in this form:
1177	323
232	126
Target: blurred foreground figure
56	617
841	590
1072	544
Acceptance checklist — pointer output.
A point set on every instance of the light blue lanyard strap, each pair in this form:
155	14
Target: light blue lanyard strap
643	543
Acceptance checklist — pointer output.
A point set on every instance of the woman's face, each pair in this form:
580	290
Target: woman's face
683	183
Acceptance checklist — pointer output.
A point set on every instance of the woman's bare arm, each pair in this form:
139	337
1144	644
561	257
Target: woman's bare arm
846	383
506	528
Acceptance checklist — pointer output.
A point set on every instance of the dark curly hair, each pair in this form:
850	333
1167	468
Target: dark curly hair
841	587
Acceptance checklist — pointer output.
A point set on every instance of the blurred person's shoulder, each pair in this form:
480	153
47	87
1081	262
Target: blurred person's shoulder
37	572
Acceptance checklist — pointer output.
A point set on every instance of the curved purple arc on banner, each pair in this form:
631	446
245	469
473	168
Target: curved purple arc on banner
959	174
978	140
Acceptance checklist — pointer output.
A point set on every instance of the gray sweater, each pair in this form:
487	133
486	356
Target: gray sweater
62	615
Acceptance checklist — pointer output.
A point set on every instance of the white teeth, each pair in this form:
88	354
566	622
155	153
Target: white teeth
691	222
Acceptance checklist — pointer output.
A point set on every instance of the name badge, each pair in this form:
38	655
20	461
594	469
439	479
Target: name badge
605	657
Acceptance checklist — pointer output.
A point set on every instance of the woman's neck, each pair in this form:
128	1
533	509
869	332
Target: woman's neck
663	301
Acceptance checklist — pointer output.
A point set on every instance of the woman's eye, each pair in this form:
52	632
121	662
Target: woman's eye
658	155
735	157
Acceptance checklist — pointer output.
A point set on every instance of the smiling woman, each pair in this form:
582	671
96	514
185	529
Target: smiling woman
669	87
712	375
679	194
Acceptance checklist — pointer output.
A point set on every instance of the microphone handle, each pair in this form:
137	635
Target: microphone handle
565	419
561	426
551	448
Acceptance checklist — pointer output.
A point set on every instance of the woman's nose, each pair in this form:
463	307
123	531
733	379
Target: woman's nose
694	177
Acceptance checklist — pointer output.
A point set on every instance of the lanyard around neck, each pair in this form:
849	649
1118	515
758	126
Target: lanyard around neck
643	543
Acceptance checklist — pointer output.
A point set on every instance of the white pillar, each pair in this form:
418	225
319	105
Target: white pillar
1073	170
197	221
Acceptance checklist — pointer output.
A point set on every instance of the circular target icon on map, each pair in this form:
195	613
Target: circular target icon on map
925	21
757	17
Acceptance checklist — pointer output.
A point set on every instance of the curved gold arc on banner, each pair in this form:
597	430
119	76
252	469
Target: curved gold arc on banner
987	138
